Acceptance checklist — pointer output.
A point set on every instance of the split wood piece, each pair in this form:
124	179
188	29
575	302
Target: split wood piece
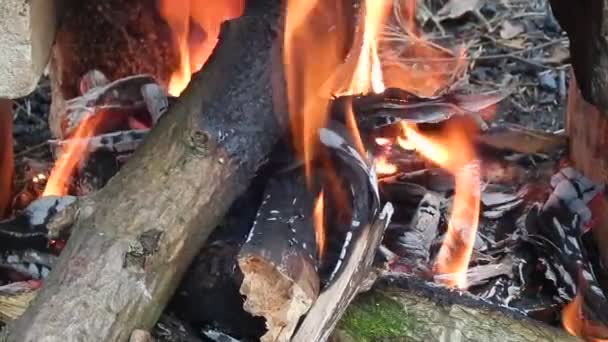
414	244
397	310
585	23
6	155
278	260
134	239
332	303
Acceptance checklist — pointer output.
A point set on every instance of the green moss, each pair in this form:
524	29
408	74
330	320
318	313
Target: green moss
374	316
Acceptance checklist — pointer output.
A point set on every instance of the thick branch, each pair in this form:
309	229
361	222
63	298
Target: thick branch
129	250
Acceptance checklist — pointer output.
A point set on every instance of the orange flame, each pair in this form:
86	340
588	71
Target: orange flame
574	323
70	156
453	151
384	167
319	225
180	15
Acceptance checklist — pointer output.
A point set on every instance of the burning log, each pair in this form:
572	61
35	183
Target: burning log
134	239
406	309
279	258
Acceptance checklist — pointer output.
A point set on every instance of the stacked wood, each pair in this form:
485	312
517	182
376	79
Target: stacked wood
134	239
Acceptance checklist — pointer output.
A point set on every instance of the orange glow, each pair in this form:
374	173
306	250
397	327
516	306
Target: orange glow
180	15
574	323
452	150
71	155
384	167
319	225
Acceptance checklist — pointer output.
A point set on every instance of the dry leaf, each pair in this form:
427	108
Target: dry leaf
509	30
558	54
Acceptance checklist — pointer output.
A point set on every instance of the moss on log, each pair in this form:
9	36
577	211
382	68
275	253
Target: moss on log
394	314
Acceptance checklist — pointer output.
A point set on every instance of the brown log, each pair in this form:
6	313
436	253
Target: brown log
332	303
134	239
6	154
279	258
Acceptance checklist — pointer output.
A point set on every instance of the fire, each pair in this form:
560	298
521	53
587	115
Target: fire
384	167
453	150
71	155
319	225
575	324
181	15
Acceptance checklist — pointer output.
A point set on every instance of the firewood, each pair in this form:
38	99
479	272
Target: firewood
332	303
6	154
279	258
409	310
134	239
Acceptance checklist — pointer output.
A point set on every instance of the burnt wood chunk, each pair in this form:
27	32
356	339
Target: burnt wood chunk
133	240
279	258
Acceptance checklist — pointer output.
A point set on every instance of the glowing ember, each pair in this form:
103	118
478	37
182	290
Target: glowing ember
319	225
70	156
453	151
180	15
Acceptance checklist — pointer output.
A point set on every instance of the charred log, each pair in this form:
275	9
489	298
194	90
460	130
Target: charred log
279	258
134	239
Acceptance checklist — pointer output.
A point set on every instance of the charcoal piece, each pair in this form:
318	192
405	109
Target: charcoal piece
116	142
97	171
414	243
496	204
434	179
561	231
28	230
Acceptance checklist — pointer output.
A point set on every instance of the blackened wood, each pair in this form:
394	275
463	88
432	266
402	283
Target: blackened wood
134	239
332	303
414	244
585	23
279	258
6	155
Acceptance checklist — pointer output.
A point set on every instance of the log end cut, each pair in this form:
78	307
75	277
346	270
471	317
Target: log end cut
276	296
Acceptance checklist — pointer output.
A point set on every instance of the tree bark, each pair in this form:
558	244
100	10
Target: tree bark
393	312
134	239
6	155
